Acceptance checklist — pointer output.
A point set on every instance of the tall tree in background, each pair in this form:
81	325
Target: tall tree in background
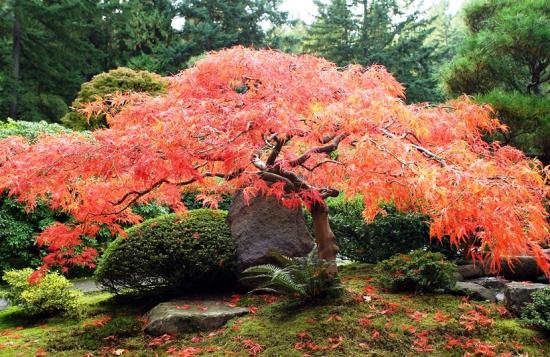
49	48
389	32
505	62
134	33
215	24
43	63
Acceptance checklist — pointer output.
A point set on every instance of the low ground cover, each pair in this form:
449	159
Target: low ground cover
365	321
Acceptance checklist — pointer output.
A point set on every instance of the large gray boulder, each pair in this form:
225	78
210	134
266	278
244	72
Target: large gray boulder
265	226
517	294
179	316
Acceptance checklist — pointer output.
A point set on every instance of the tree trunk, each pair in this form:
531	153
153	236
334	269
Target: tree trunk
16	58
326	244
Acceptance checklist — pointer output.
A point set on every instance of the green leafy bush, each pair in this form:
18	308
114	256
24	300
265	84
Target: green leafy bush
537	312
417	271
100	86
171	253
386	236
304	278
51	295
29	130
18	230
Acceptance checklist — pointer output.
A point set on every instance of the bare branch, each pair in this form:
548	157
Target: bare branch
321	163
318	150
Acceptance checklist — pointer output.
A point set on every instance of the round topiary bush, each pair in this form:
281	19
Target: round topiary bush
104	84
171	253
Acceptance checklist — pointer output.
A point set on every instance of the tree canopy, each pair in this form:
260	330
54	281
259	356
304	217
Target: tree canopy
294	127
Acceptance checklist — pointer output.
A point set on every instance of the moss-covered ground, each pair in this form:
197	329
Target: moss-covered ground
364	322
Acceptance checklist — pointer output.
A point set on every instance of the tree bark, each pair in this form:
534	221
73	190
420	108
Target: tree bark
326	243
16	58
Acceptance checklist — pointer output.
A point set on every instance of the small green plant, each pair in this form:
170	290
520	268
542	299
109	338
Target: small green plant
50	296
417	271
305	278
537	312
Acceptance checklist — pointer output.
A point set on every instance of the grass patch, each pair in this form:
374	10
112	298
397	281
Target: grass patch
386	325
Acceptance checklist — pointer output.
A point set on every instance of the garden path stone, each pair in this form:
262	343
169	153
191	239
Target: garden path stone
491	282
178	316
517	294
3	304
87	286
476	291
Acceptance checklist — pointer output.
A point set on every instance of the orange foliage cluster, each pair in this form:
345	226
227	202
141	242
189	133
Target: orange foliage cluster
269	123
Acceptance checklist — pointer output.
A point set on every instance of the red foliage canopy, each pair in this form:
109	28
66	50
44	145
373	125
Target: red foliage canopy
295	127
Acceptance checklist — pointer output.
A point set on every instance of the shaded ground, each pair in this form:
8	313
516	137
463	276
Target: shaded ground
366	322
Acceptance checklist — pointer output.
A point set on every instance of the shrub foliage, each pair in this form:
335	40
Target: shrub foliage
537	312
120	80
49	296
171	253
417	271
387	235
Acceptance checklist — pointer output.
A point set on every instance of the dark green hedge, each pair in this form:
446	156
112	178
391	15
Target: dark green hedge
171	253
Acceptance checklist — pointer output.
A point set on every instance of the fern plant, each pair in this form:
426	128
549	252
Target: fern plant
304	278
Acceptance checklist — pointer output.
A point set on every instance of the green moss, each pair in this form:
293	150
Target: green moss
276	327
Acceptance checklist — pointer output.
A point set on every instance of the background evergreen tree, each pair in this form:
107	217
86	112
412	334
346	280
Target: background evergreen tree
394	33
505	62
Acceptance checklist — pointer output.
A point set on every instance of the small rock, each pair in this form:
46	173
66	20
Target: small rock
500	297
476	291
517	294
470	271
178	316
491	282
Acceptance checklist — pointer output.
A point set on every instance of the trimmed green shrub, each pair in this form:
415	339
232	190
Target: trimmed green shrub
537	312
120	80
386	236
304	278
417	271
51	295
171	253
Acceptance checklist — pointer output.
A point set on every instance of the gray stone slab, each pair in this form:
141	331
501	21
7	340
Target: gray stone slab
179	316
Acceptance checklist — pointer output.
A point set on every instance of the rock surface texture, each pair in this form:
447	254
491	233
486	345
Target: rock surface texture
179	316
523	268
476	291
264	226
517	294
470	271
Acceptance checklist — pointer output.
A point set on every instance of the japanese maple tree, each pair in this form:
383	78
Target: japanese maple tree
294	127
